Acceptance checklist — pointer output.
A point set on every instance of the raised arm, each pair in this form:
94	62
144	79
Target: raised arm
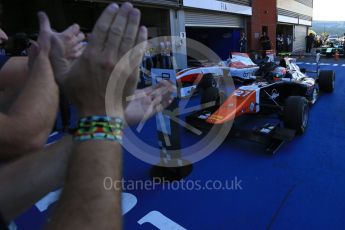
85	204
29	121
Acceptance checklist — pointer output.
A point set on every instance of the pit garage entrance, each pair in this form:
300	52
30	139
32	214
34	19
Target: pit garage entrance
219	31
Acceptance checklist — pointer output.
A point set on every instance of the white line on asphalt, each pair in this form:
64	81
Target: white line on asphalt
321	64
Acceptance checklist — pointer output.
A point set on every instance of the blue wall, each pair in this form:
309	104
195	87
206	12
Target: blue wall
220	40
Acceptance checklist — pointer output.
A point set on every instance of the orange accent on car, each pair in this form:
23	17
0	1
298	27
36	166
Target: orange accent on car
239	103
191	78
186	70
240	65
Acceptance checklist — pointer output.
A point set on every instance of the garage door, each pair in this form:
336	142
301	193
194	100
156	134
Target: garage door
155	2
300	34
202	19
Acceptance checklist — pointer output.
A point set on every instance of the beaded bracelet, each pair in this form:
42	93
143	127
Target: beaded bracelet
99	128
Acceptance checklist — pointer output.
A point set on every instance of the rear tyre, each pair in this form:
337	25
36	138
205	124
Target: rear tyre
296	114
327	81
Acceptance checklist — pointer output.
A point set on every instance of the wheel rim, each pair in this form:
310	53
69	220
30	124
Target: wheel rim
333	83
305	116
315	94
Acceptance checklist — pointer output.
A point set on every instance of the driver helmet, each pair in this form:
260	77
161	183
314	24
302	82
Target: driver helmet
279	73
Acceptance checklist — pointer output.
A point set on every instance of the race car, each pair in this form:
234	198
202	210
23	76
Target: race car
330	50
282	89
188	79
240	67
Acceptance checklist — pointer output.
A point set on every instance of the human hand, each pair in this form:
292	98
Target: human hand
67	46
39	51
43	44
114	42
147	102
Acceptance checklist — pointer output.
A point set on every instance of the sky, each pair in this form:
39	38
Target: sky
329	10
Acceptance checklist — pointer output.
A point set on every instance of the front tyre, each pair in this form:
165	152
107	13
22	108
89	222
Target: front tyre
296	114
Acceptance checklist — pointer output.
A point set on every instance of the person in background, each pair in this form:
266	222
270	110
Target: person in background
289	43
309	42
265	43
146	66
280	43
243	43
318	42
166	52
18	45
